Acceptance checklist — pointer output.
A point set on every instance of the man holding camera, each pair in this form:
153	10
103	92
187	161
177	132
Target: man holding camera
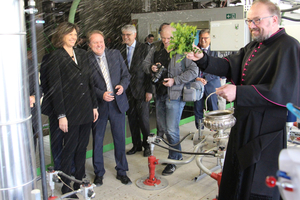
169	78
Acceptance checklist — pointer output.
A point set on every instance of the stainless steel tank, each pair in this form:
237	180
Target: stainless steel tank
17	155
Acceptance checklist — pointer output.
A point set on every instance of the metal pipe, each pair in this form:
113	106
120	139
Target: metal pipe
73	11
17	155
32	11
201	166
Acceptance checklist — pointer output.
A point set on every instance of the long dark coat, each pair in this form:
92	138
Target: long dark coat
267	77
68	87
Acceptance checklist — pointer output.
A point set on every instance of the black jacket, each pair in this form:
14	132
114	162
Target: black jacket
68	87
118	74
140	82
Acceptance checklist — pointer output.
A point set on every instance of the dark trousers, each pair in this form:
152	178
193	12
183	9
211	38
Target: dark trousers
212	102
138	118
160	108
75	145
56	141
117	125
35	128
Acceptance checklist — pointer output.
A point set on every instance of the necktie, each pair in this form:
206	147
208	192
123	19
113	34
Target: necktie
129	56
205	50
105	74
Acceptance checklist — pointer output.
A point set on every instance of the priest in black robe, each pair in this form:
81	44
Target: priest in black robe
265	77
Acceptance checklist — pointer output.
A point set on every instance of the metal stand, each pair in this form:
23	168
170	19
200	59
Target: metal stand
141	183
221	135
86	189
151	182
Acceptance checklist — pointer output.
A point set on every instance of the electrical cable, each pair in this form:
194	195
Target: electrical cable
183	152
65	183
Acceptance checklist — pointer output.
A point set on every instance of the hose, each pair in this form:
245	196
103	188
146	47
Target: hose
291	9
183	152
172	145
289	18
70	178
190	159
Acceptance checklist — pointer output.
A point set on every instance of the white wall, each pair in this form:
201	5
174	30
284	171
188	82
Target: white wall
150	22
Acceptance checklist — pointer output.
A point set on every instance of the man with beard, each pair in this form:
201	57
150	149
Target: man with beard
265	76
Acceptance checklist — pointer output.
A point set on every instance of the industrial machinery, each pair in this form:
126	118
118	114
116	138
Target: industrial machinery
206	143
216	149
86	188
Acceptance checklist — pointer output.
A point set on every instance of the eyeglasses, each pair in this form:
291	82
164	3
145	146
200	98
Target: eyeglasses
127	35
204	38
256	21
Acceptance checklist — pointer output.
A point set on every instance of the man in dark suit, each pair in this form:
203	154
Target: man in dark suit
211	82
139	92
150	39
111	79
32	92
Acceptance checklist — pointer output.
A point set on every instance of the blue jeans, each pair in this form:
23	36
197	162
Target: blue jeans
168	117
212	101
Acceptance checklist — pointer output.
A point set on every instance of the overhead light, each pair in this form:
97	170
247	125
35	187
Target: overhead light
40	21
61	1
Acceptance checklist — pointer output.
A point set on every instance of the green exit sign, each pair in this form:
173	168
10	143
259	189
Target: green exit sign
231	16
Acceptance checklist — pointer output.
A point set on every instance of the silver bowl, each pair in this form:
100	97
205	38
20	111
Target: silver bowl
219	119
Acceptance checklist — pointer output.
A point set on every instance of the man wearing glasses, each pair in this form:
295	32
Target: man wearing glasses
210	82
265	76
139	91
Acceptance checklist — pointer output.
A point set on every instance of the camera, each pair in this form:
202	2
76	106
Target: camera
158	74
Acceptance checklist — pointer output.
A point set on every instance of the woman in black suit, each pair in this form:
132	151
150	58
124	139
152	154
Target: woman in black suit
70	100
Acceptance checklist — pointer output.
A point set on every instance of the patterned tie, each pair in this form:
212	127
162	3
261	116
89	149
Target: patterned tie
129	56
105	74
205	50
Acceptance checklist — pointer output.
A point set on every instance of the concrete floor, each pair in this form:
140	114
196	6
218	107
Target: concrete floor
181	184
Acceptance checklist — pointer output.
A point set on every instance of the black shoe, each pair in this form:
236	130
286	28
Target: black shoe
65	189
134	150
76	186
169	169
98	181
124	179
147	152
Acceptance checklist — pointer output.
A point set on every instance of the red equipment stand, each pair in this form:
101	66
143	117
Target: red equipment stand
151	182
52	197
217	177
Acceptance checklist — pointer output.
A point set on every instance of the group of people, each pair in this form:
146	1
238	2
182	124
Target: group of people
84	90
